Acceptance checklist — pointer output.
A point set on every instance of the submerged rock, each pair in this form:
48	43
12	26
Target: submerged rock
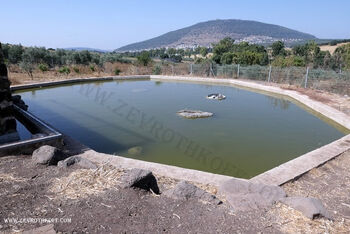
48	155
194	114
184	191
135	150
139	178
216	96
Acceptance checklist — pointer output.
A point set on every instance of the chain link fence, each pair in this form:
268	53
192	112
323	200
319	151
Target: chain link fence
327	80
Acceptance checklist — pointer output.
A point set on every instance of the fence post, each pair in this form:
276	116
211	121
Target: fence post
238	71
306	77
191	69
211	70
269	75
172	69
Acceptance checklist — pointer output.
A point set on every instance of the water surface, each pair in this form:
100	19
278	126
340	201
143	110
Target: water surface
248	134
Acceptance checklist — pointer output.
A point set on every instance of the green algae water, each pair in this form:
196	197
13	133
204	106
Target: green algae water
248	134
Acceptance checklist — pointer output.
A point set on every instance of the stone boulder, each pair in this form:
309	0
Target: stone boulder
48	155
194	114
244	195
17	100
77	161
185	191
139	178
310	207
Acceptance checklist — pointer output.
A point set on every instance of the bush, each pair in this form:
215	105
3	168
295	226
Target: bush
76	69
43	67
92	68
157	70
117	71
64	70
144	58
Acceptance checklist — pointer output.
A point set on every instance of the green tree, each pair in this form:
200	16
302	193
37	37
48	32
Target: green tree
15	54
144	58
278	48
204	51
224	46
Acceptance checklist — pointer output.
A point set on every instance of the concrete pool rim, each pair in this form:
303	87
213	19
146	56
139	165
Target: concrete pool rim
275	176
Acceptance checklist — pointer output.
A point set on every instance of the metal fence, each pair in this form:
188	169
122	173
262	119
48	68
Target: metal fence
327	80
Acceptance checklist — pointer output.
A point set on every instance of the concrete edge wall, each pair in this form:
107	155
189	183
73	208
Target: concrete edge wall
157	168
75	80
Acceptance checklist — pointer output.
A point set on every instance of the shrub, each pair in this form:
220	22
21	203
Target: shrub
64	70
144	58
92	68
76	69
157	70
117	71
43	67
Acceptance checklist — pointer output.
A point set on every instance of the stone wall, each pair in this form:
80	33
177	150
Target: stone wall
8	124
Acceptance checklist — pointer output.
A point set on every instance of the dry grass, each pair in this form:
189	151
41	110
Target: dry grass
330	48
10	178
293	221
84	182
313	94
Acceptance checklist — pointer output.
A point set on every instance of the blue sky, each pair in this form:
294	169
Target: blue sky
108	24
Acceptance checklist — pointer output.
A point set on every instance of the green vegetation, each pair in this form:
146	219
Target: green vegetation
342	55
64	70
144	58
92	68
43	67
227	52
76	70
157	70
117	71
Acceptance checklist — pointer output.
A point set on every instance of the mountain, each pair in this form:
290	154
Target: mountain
206	33
86	48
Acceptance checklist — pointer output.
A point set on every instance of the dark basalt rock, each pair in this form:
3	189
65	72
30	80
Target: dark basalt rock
139	178
8	131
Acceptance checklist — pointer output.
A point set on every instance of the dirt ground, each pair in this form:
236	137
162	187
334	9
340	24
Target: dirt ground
85	200
94	202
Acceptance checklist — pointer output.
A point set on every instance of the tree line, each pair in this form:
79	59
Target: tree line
308	54
28	58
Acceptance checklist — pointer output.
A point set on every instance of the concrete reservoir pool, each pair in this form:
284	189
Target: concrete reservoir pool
248	134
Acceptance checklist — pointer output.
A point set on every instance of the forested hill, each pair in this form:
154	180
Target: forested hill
206	33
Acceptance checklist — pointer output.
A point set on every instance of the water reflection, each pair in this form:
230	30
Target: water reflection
279	103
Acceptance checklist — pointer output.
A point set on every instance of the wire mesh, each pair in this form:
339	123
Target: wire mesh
327	80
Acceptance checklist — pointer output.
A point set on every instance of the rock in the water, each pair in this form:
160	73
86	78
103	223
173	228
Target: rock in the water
244	195
135	150
194	114
77	161
184	191
139	178
310	207
48	155
216	96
